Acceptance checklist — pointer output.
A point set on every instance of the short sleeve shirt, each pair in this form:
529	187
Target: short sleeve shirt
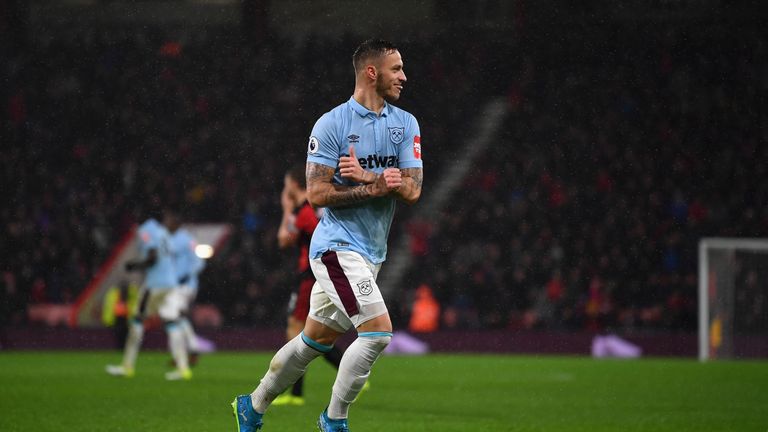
162	274
188	264
389	140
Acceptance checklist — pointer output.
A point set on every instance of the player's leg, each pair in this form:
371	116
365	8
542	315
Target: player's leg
135	337
133	343
353	289
170	312
298	310
373	336
334	355
131	352
296	395
190	340
291	362
288	364
177	347
190	337
325	324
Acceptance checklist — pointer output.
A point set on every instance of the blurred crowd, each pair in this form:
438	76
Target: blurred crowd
620	150
107	125
623	148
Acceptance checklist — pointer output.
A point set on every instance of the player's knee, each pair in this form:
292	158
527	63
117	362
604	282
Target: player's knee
275	364
171	325
320	333
169	315
322	345
378	339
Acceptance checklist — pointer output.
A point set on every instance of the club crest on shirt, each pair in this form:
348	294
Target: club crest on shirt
396	134
314	145
353	139
365	287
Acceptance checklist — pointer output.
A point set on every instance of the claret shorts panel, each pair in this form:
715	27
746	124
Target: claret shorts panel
345	294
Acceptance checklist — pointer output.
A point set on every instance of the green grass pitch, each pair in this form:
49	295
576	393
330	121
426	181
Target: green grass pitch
55	391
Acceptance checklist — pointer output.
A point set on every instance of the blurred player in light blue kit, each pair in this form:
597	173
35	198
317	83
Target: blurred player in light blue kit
363	156
188	268
160	295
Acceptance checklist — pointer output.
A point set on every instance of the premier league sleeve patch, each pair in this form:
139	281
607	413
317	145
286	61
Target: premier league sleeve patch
313	146
396	134
417	147
145	236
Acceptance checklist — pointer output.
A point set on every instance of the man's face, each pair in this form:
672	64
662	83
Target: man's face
390	78
171	221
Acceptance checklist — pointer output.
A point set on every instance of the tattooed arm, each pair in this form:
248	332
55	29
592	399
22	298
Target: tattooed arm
322	192
410	191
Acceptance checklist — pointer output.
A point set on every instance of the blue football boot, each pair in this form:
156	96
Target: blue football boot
247	419
329	425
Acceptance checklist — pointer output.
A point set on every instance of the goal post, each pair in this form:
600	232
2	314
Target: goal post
731	272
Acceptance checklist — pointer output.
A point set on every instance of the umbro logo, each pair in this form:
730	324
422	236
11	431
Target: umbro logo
353	139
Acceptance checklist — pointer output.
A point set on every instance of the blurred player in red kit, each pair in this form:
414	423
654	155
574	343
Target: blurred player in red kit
296	228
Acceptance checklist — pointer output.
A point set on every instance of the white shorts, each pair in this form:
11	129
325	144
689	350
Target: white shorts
189	294
345	294
166	303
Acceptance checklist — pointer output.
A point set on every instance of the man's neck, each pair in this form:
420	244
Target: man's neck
369	99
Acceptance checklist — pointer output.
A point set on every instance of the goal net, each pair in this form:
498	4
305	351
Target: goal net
733	297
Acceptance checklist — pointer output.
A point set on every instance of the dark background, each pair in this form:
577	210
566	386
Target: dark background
632	130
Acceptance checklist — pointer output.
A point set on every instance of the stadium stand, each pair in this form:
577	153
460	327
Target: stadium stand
618	157
615	159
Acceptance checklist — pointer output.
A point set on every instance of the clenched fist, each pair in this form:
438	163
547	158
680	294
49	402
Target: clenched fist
388	181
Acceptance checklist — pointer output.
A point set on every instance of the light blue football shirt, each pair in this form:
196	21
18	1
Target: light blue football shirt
162	275
391	140
186	260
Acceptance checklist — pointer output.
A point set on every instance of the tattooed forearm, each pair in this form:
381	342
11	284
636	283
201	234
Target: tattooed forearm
321	192
416	174
347	195
318	172
410	191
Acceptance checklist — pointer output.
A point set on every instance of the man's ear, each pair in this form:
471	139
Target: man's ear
371	72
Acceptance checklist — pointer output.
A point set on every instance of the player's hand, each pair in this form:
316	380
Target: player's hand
350	168
285	201
389	181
